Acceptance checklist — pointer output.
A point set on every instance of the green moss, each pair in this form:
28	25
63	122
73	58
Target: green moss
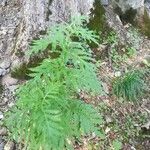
97	21
43	32
23	71
128	17
146	24
97	17
1	89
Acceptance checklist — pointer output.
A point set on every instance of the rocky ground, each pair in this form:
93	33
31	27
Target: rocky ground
121	109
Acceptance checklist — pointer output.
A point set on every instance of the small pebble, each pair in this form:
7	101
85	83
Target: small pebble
9	145
11	104
5	99
117	74
108	119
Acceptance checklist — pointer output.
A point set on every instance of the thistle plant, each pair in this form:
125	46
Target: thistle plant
48	114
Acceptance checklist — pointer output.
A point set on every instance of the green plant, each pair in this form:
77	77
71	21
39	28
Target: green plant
1	88
134	38
146	62
21	72
115	57
129	86
117	145
131	51
144	27
117	53
48	114
112	38
118	58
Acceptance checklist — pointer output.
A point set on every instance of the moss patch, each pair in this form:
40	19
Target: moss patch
145	26
97	21
23	71
1	88
97	17
128	17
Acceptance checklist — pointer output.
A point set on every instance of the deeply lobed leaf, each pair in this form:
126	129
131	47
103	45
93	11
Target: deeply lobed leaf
48	114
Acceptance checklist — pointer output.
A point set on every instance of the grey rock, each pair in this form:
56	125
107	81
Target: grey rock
3	131
2	104
105	2
127	4
12	88
5	64
16	63
115	23
8	80
21	21
4	72
1	145
7	95
140	6
1	71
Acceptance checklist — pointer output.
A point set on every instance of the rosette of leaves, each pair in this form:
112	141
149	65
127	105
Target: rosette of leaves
48	114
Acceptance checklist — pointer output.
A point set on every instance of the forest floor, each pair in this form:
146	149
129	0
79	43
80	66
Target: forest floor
125	124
